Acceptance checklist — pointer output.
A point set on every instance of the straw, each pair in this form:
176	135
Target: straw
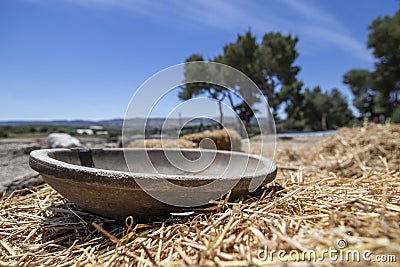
345	192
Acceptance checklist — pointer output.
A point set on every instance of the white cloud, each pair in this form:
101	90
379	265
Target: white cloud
322	27
312	23
343	41
222	14
313	13
145	7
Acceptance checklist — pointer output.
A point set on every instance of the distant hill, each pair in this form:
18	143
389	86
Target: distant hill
133	122
72	123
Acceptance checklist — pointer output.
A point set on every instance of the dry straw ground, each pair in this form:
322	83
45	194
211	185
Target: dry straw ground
346	189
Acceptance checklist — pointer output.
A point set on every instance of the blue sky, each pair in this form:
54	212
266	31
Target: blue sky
84	59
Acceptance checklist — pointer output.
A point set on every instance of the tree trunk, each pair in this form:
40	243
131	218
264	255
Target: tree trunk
323	122
221	115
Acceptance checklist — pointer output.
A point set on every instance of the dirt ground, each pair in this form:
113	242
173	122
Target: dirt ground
15	172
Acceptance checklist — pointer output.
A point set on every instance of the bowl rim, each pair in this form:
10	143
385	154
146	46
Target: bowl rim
41	161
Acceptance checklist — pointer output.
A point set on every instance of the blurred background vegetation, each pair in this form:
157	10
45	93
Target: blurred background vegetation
271	65
35	130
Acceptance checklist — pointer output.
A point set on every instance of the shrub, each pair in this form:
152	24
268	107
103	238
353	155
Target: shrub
396	115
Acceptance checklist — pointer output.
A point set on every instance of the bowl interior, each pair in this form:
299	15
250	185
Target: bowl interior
169	162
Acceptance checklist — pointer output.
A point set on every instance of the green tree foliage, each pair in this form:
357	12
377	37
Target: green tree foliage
360	85
339	113
396	115
270	64
293	99
190	90
323	111
378	92
384	40
278	56
3	133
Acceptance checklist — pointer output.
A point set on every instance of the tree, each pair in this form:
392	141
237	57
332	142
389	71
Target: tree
360	83
190	90
242	55
384	40
339	113
378	92
293	99
324	111
396	115
277	55
316	108
270	64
